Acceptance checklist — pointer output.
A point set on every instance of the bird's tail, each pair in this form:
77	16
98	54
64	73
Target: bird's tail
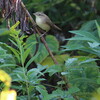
56	27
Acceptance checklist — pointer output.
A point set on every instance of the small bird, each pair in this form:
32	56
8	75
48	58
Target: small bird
44	22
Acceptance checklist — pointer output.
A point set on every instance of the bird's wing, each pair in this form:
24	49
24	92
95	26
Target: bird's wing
49	22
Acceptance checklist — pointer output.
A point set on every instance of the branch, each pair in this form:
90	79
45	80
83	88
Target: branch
42	38
44	42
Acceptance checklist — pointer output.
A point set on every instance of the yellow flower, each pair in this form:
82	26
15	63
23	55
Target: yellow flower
8	95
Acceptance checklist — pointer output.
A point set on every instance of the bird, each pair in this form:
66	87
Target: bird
44	22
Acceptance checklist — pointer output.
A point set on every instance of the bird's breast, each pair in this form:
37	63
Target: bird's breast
42	24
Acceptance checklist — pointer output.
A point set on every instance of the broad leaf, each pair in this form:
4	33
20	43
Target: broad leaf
51	41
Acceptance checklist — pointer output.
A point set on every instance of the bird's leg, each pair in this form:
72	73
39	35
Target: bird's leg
43	34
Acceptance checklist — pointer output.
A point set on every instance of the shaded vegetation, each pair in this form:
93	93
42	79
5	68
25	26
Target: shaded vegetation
24	57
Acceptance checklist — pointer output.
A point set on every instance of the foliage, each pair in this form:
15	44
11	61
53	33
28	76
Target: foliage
34	74
81	72
86	40
29	79
7	61
41	48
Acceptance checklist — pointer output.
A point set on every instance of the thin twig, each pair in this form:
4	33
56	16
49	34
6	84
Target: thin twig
8	23
9	13
42	38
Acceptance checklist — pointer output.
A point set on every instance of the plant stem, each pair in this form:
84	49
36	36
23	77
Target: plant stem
21	49
26	83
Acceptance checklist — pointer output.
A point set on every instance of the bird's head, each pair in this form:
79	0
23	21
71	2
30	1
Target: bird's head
39	14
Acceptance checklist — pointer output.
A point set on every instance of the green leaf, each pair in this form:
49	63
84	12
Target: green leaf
16	52
4	31
4	35
34	72
22	97
98	28
94	44
98	80
83	73
26	54
31	60
5	58
12	29
40	67
54	69
88	61
89	26
52	43
7	65
44	93
73	45
87	41
71	62
37	71
15	25
73	90
31	39
60	58
81	38
86	34
30	45
69	98
21	49
13	42
43	53
19	75
42	90
58	93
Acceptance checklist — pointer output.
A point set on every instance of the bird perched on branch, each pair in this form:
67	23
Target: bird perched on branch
44	22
